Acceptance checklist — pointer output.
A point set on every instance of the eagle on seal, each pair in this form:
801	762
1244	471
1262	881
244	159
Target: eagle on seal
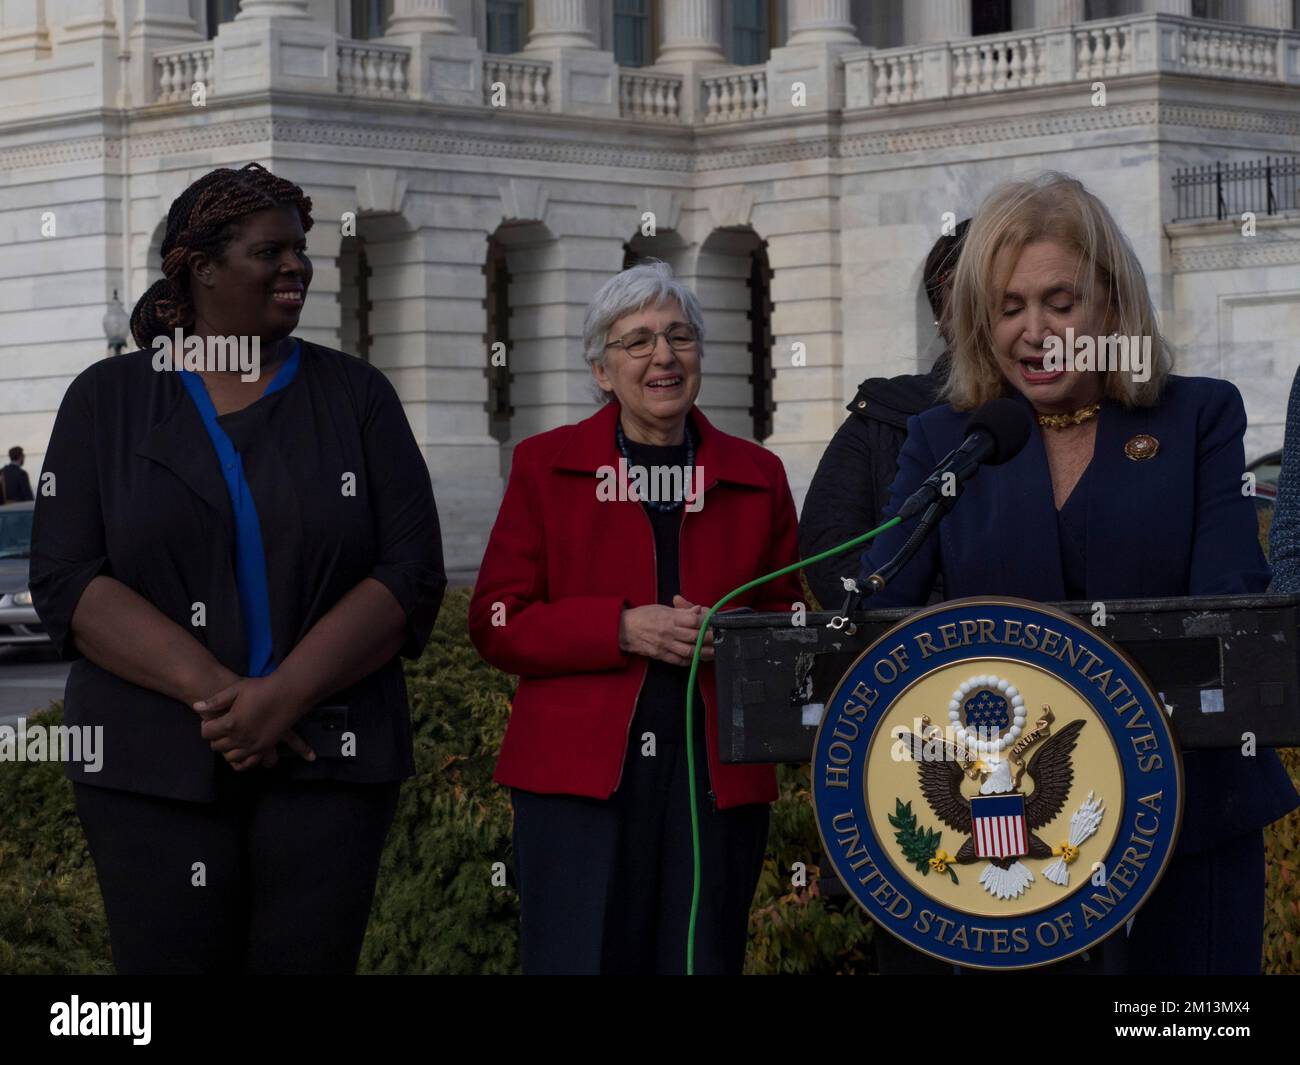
1050	769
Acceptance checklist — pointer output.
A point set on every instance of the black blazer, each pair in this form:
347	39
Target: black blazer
139	496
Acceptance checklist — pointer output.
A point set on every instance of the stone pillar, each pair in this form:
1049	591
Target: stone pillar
1270	14
446	65
821	22
275	44
1169	7
421	16
803	250
158	24
560	24
691	31
262	9
932	21
24	32
1046	14
584	79
807	75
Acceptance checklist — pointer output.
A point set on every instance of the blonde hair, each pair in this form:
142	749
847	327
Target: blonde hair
1052	207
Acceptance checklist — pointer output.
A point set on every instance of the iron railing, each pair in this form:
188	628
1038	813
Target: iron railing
1265	186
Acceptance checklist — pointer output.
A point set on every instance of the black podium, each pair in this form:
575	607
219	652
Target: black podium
1224	665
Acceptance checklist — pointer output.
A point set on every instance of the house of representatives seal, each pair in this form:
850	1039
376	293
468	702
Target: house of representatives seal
996	784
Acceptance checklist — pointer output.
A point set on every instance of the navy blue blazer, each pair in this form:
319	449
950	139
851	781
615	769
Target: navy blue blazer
1173	525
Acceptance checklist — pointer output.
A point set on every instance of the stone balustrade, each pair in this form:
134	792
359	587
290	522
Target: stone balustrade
371	69
1084	52
177	70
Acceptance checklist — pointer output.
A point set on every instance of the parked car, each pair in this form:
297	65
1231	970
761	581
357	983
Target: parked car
18	621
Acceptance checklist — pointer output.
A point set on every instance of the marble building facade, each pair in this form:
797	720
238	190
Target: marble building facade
492	192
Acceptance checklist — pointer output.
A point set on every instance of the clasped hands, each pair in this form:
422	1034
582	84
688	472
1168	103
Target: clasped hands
667	633
245	722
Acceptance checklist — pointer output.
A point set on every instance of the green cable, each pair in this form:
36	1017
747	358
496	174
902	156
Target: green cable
690	711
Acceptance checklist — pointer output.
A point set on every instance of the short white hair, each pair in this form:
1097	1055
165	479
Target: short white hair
650	283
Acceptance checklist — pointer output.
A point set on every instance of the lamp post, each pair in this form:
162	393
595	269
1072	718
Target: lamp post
116	324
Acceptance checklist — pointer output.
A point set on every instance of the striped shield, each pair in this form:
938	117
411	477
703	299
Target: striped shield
999	825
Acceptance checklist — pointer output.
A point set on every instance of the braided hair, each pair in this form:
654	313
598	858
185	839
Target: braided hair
203	218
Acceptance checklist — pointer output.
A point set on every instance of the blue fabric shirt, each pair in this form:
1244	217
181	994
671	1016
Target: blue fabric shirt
250	558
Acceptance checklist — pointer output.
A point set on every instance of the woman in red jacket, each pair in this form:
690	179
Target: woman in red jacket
595	599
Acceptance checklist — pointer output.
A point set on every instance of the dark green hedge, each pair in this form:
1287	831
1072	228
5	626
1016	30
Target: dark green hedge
437	909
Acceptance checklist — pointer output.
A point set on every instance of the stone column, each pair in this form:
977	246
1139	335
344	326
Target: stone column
256	9
446	66
1169	7
421	16
691	31
583	79
560	24
821	22
932	21
24	32
1271	14
807	74
275	45
1045	14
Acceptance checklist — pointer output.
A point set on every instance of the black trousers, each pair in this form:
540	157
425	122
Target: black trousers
605	886
276	876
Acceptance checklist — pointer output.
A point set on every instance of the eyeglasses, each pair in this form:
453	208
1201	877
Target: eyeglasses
641	342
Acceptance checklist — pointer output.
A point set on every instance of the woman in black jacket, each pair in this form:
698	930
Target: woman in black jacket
851	486
235	560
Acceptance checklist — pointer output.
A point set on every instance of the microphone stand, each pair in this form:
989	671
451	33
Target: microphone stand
878	580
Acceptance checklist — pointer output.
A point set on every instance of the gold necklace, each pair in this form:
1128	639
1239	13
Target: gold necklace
1064	421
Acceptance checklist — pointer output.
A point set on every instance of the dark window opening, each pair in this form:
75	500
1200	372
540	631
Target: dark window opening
364	340
760	342
751	39
632	26
220	11
990	16
506	26
497	304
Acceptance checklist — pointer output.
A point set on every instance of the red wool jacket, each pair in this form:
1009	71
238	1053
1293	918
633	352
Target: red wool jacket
563	565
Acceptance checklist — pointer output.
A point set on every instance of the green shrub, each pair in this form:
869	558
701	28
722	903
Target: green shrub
437	909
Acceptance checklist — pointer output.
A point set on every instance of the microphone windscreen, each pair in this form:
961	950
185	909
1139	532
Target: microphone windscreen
1007	422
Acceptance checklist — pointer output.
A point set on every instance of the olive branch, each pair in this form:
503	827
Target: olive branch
919	844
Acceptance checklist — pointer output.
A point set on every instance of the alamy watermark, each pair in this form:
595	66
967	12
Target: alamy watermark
213	353
654	484
1128	354
53	743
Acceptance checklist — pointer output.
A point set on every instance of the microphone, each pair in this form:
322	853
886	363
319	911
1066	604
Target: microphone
996	433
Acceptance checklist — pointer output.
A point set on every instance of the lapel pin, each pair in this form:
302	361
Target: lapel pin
1142	446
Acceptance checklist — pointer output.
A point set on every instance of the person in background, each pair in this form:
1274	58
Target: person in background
595	601
851	486
1284	536
14	484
